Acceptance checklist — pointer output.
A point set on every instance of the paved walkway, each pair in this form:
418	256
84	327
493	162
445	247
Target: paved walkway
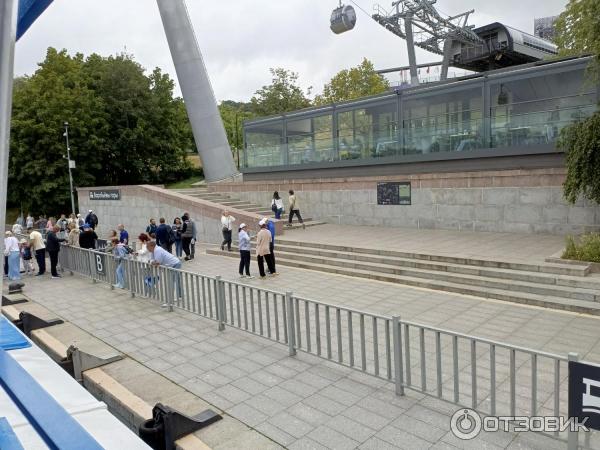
511	247
306	402
301	403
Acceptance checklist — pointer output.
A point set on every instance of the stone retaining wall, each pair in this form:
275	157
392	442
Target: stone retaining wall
524	201
140	203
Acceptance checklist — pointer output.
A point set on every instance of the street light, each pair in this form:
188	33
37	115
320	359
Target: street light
71	165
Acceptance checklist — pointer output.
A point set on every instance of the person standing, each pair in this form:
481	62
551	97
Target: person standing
271	228
38	246
62	223
13	254
123	234
177	226
73	236
244	245
227	224
29	221
263	253
161	257
277	205
151	228
88	238
53	247
194	236
118	250
27	257
294	209
187	234
163	233
17	229
80	222
91	219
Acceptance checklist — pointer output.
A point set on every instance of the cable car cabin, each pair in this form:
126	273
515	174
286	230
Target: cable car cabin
503	47
343	19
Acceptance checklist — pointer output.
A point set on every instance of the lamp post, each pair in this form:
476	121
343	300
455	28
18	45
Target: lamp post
66	135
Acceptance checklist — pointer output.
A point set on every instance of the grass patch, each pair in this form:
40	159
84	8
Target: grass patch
185	184
586	248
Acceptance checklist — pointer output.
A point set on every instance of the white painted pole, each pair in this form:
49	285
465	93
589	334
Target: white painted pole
8	33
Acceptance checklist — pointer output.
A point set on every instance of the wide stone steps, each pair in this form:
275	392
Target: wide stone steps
551	268
550	301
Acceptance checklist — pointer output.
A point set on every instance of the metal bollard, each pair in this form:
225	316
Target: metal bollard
398	361
291	327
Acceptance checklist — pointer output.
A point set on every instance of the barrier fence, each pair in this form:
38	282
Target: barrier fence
493	378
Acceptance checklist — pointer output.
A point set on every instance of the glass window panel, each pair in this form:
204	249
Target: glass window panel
450	121
310	139
533	110
264	144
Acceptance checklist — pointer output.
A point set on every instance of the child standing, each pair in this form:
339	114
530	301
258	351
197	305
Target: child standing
27	257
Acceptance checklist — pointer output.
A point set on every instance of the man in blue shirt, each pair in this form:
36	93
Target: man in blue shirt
271	228
161	257
123	235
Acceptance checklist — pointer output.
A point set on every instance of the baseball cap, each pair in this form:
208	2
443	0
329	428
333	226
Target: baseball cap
90	210
86	227
242	225
263	221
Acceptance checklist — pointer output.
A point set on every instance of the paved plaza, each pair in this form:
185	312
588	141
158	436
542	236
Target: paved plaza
305	402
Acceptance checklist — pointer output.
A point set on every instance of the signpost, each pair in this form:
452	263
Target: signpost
396	193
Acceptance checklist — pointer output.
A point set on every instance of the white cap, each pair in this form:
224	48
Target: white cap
242	225
90	210
263	221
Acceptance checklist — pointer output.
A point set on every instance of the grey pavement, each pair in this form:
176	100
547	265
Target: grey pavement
305	402
511	247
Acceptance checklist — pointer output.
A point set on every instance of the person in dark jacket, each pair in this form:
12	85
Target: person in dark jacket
91	219
163	235
187	235
151	228
88	238
53	247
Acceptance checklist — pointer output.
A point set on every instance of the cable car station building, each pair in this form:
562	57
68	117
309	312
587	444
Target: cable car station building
477	153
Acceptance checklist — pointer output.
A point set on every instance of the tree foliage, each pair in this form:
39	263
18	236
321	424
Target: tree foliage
578	32
282	95
125	127
359	81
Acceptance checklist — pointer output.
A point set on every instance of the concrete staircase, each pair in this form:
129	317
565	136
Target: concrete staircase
231	202
559	286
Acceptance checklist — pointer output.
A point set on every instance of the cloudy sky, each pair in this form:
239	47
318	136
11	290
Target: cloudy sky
241	39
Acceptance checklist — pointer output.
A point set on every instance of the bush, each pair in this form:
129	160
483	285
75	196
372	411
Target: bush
587	248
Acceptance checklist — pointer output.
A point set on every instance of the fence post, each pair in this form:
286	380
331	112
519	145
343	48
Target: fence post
219	302
291	327
171	286
573	436
398	361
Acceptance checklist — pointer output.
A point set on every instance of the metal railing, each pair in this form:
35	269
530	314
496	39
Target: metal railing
492	377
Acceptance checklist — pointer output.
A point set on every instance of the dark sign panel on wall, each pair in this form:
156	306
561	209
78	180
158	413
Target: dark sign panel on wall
109	194
397	193
584	393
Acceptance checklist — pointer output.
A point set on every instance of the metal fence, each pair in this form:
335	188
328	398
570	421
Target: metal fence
491	377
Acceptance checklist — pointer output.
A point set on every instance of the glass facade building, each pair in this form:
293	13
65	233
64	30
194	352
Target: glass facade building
522	110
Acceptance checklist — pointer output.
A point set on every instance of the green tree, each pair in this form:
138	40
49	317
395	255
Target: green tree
282	95
578	32
359	81
233	115
125	127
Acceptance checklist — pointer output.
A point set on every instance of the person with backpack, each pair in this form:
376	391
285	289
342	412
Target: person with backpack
277	205
92	219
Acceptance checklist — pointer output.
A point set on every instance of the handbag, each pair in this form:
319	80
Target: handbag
273	207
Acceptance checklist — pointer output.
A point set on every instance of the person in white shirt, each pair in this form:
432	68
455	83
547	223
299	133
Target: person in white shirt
227	224
160	257
13	252
17	228
277	205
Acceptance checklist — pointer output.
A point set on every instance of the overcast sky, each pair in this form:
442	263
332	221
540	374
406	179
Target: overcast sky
241	39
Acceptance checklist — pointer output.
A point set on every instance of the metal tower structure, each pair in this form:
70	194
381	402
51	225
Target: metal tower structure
421	25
